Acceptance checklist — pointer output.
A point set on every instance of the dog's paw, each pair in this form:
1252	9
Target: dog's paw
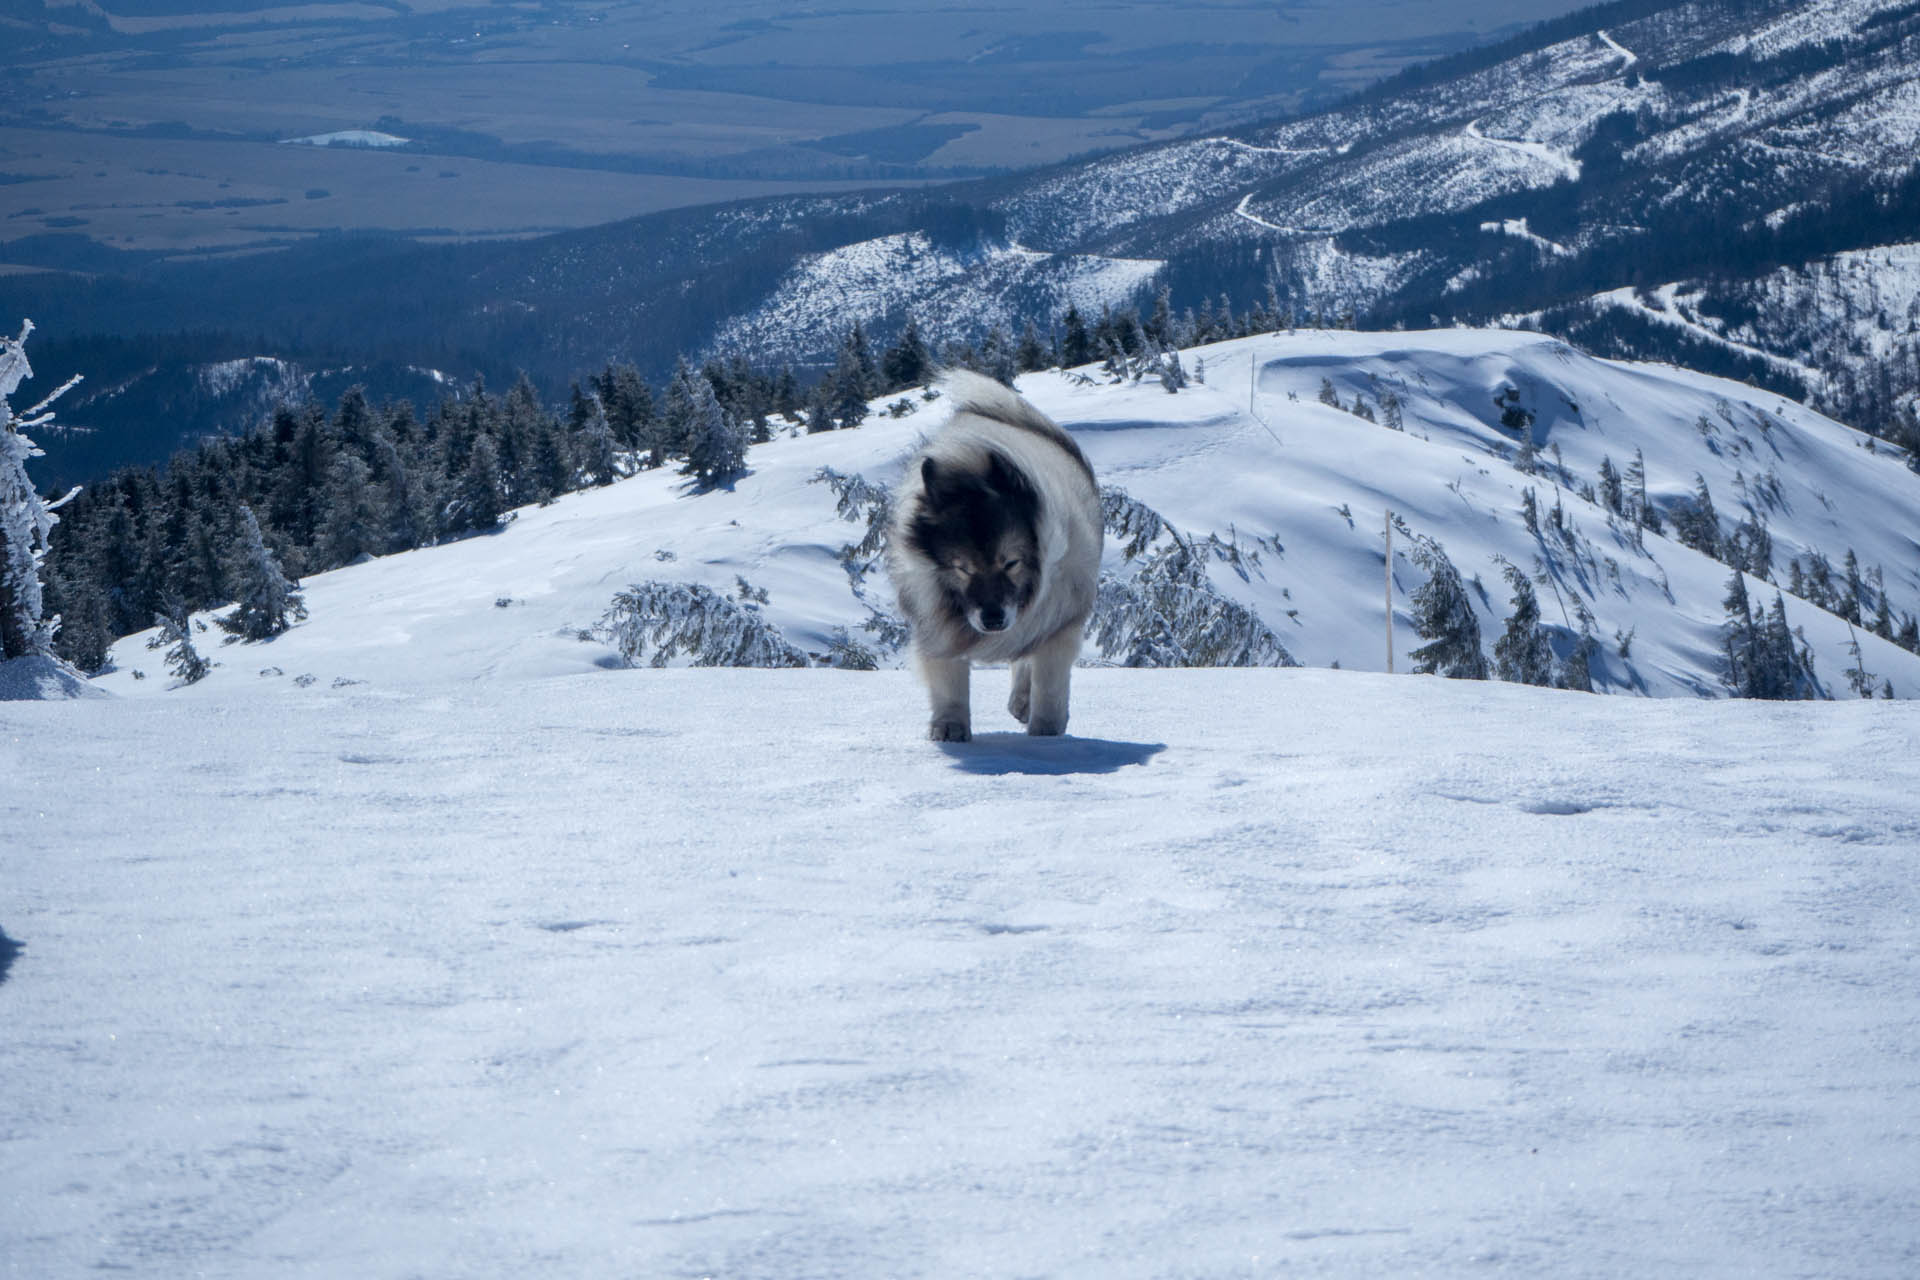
1046	726
950	731
1018	705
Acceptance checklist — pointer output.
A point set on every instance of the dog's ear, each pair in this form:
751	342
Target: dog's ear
1008	480
929	475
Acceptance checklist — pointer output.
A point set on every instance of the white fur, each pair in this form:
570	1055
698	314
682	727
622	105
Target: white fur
1042	639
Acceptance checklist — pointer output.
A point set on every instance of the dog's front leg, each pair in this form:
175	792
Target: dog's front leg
948	693
1052	672
1021	698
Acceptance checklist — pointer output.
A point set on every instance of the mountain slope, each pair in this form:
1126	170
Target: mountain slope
1286	504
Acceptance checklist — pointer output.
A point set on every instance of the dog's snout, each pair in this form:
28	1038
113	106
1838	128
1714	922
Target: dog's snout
993	619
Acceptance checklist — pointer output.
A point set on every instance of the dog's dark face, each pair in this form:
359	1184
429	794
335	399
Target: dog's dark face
978	531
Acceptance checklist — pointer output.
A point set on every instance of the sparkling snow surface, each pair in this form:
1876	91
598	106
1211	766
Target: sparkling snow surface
689	973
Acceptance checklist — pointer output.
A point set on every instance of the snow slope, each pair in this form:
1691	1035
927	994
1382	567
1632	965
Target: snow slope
682	973
1300	489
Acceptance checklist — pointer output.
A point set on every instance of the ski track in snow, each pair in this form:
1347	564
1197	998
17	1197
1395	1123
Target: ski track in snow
715	972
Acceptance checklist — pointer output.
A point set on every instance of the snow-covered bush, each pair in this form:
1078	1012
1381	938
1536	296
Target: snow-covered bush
1168	614
660	621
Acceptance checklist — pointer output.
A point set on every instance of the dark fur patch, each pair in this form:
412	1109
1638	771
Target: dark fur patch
964	517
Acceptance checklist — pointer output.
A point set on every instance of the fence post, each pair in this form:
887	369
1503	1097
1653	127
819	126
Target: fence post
1389	591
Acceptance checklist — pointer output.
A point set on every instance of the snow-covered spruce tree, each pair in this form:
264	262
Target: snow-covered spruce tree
1522	655
26	522
598	454
266	601
1443	616
660	621
176	630
716	442
353	524
1748	673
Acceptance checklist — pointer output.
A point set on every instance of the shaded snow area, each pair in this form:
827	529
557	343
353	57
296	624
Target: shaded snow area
1285	497
684	973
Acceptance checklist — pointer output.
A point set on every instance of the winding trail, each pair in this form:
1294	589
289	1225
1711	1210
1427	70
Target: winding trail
1539	151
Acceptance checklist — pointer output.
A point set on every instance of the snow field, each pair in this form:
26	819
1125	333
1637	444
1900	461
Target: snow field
721	972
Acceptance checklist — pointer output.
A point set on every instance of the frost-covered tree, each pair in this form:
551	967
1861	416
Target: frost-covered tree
176	636
1522	654
1168	613
1443	616
598	455
266	601
660	621
26	522
716	441
353	524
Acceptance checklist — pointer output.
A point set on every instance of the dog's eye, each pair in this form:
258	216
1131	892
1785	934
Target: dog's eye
1011	565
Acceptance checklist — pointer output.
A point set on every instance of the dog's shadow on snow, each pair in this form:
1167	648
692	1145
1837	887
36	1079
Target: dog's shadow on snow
1002	753
8	950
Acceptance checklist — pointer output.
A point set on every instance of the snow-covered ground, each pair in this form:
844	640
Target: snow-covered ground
685	973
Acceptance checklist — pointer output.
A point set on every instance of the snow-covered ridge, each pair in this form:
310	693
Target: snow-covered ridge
1294	493
950	292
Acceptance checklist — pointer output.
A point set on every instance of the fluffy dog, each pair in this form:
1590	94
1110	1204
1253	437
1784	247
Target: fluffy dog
994	551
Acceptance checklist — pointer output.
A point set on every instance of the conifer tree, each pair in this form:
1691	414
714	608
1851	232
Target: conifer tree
1443	615
907	363
717	445
1522	655
478	500
352	524
1032	354
854	381
1076	344
1612	494
1749	673
407	510
266	601
176	630
597	454
1696	523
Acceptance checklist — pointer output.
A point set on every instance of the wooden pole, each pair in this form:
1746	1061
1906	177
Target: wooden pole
1389	591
